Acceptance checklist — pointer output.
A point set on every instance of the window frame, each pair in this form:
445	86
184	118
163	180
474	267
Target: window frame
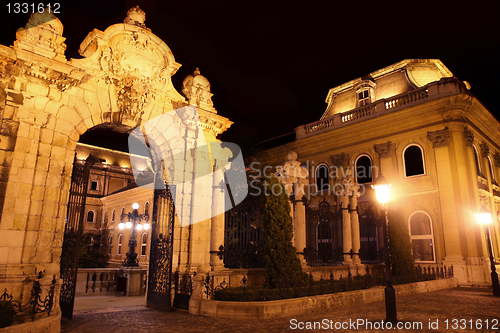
120	241
146	205
423	160
113	215
493	178
110	243
322	164
431	237
93	216
96	186
144	244
371	167
477	161
325	240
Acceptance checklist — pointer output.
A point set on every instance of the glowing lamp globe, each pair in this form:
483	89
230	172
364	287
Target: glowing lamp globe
382	189
138	227
146	226
135	205
128	225
121	225
484	216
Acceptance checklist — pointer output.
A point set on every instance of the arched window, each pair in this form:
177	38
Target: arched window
110	243
146	208
120	239
113	215
90	216
144	242
322	178
105	217
422	237
413	159
122	212
477	161
364	169
492	171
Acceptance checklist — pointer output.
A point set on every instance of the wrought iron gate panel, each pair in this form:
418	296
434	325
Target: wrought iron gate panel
326	250
73	233
244	235
160	259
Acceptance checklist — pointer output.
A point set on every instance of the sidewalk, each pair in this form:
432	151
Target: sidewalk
466	308
93	304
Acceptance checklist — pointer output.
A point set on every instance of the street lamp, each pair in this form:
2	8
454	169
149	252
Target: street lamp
382	191
132	220
484	217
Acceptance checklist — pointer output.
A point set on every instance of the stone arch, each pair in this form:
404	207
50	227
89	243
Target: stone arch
124	81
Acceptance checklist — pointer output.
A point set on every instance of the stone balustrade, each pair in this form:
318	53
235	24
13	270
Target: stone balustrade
103	281
432	91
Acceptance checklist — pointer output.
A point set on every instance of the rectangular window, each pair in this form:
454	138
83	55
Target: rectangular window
363	98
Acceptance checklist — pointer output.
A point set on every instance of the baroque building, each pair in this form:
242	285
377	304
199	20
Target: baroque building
437	145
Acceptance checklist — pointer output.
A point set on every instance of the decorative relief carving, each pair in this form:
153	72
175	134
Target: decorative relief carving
485	149
384	150
339	160
347	187
469	137
439	138
136	16
42	35
496	158
196	88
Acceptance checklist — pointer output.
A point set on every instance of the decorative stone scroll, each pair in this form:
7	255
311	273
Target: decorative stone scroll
384	150
469	137
439	138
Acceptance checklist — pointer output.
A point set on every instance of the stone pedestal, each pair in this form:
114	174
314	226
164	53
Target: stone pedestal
134	280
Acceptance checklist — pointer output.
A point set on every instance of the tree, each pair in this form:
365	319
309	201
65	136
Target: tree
400	245
92	254
282	263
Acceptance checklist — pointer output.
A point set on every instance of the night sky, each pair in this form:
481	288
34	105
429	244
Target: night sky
271	63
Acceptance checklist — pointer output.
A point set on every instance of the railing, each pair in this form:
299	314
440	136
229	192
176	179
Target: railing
432	91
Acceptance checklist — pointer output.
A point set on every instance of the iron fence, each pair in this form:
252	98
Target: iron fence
312	287
11	309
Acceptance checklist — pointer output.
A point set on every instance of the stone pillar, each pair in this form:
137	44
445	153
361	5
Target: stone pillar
346	228
356	243
217	228
295	178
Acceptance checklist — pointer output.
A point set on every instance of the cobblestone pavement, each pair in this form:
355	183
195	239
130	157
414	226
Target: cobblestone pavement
475	306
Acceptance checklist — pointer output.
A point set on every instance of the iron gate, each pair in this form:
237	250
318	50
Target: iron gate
160	260
325	247
73	233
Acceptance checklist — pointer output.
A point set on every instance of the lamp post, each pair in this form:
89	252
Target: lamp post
382	191
131	222
484	217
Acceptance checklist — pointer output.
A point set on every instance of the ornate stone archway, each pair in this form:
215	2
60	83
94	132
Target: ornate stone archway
47	102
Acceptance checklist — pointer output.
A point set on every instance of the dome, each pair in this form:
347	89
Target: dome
196	88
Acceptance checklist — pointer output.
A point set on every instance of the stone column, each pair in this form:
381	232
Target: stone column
295	178
356	243
217	227
346	227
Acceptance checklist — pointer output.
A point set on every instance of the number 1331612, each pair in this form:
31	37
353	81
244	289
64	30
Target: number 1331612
24	8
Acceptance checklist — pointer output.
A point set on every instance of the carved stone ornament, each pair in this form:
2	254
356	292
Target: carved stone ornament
136	16
339	160
291	173
384	150
42	35
469	137
196	88
485	149
439	138
496	158
347	187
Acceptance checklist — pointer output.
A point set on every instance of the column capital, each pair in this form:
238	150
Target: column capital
469	137
384	150
439	138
